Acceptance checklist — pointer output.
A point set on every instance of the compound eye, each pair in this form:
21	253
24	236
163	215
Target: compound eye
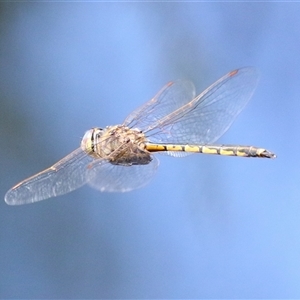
98	132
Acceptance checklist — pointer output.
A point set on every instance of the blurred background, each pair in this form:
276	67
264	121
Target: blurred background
206	226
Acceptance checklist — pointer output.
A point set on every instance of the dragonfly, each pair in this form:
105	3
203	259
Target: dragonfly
121	158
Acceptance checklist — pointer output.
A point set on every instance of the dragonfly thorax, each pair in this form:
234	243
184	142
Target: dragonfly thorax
118	144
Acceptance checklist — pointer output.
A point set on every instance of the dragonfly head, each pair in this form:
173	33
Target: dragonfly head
89	138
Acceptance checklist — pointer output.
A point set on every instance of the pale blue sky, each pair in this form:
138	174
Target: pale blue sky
206	226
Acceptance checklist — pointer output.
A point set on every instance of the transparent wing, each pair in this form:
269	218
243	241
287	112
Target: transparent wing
170	98
66	175
107	177
205	118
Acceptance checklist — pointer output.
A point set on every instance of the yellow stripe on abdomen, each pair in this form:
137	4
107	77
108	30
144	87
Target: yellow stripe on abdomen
227	150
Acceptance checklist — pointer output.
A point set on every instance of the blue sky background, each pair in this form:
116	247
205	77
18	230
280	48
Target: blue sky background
206	226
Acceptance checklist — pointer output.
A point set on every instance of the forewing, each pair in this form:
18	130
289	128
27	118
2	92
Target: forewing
107	177
65	176
170	98
205	118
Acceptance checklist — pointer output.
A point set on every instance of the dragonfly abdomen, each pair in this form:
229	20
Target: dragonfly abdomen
227	150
